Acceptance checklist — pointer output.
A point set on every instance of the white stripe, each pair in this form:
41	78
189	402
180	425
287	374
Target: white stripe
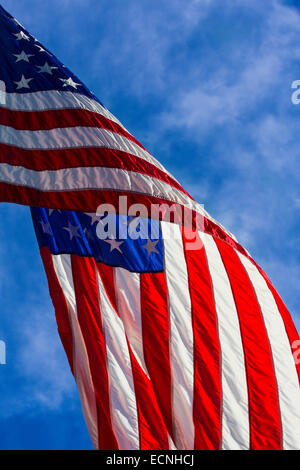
181	336
171	443
73	137
94	137
82	178
235	417
128	298
122	395
101	178
284	364
127	288
82	373
53	99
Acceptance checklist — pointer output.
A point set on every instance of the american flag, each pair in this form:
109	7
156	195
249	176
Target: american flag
170	347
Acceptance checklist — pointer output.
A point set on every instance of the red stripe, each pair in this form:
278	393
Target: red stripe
153	432
60	118
60	305
86	200
264	412
290	328
217	232
46	160
89	200
207	373
89	317
107	275
155	324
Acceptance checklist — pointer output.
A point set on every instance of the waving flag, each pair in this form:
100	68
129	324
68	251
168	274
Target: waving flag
175	337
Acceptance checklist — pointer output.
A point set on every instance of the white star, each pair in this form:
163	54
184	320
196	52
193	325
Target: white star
17	22
46	68
69	82
50	211
114	245
45	227
150	246
94	217
41	49
73	230
23	83
21	35
23	56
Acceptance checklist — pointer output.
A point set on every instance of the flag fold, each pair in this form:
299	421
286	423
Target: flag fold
175	336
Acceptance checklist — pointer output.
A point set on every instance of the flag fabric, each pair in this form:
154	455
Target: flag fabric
173	344
59	146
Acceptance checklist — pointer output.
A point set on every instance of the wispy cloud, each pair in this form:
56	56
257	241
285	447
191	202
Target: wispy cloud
206	86
40	358
37	370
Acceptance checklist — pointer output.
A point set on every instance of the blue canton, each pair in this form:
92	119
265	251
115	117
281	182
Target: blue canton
136	244
27	66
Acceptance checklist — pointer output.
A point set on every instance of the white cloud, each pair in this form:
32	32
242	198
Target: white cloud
36	375
37	362
297	202
42	361
237	86
230	97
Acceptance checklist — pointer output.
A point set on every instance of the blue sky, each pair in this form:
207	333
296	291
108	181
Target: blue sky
206	87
